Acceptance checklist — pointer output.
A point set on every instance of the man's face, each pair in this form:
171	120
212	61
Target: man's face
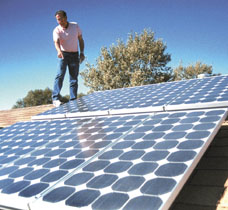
61	20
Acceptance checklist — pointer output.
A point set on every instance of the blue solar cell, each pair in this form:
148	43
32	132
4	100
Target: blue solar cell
111	154
5	182
144	202
40	152
59	194
198	135
108	201
155	155
20	172
117	167
190	144
190	120
143	145
210	119
96	166
195	114
128	183
162	128
87	153
7	170
82	198
54	152
78	179
71	164
134	136
8	159
54	163
83	144
33	190
158	186
178	114
171	169
154	136
39	161
70	153
54	176
183	127
15	187
112	136
181	156
143	168
170	121
152	122
205	126
102	181
131	155
121	130
166	145
36	174
123	145
215	112
144	128
175	135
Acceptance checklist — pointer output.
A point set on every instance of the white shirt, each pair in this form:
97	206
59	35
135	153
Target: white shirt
68	37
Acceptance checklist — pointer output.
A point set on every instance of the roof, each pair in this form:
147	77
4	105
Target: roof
206	189
9	117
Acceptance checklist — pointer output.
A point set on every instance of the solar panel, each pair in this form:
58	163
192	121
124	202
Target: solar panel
208	92
109	162
127	148
33	161
155	96
196	93
144	169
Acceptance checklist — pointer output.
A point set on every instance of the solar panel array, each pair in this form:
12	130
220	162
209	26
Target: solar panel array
196	93
207	92
129	160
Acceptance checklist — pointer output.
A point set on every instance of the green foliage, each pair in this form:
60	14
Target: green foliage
142	60
35	98
39	97
191	71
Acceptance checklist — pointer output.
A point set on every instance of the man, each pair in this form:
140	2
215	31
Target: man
66	37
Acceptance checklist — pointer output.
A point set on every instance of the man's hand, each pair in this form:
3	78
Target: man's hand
82	57
60	54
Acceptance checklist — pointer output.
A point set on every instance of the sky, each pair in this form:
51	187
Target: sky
193	30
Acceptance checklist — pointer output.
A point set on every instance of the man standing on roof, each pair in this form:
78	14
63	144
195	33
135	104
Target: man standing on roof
66	37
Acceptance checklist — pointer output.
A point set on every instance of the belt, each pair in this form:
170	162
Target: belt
72	53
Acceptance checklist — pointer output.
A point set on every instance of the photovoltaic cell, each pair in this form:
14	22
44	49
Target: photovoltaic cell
137	170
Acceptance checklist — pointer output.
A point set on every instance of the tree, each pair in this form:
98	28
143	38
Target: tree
142	60
39	97
192	71
35	98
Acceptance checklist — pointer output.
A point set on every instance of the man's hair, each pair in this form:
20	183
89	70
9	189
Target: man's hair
61	12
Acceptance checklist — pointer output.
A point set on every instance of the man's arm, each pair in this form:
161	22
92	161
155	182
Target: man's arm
57	46
81	45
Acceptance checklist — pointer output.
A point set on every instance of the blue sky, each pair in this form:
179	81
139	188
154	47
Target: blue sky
193	30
